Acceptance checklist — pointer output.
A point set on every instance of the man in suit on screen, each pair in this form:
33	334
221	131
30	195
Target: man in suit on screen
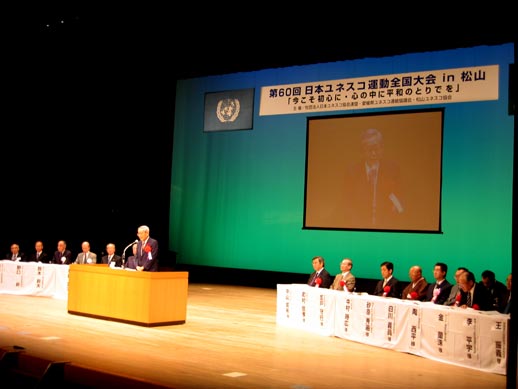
373	198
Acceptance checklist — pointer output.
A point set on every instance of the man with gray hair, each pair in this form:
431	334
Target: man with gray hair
345	280
372	193
147	251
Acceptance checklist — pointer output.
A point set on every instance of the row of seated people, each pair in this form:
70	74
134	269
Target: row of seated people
486	295
64	256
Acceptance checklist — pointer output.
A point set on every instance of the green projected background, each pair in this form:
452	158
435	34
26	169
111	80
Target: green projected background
237	197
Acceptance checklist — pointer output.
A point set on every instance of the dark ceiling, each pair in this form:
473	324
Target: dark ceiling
221	39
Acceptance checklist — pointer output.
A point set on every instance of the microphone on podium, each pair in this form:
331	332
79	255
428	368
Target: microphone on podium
124	251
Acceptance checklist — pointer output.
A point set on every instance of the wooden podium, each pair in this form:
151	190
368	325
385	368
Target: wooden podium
143	298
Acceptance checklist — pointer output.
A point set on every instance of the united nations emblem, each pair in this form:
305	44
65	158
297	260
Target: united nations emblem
228	110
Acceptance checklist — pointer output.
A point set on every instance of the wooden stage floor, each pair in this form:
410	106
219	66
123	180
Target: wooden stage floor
230	340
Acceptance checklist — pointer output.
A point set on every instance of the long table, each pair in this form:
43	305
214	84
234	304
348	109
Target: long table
463	337
32	278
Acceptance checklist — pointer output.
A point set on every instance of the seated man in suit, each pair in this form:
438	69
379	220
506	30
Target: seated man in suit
474	295
86	257
389	285
111	259
497	290
320	278
454	297
39	255
417	288
62	256
345	280
132	259
15	254
439	291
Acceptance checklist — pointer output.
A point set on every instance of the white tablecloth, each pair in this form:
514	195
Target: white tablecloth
32	278
463	337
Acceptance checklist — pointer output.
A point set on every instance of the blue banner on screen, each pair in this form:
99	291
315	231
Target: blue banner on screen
229	110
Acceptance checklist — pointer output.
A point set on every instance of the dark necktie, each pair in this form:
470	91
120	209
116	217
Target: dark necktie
468	299
373	177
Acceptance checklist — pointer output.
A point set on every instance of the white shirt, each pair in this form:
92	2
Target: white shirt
144	242
386	280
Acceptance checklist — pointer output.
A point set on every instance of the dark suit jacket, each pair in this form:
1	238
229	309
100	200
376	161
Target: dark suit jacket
21	255
44	258
395	288
508	306
131	262
499	295
481	297
445	288
359	196
57	258
116	258
148	260
327	280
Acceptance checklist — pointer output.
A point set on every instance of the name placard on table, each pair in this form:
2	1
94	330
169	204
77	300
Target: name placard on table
463	337
34	278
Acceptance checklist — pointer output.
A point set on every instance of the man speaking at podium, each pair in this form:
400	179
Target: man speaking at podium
147	251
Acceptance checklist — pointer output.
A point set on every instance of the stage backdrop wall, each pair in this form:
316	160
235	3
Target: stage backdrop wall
238	195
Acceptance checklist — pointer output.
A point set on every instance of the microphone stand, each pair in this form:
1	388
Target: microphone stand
124	252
